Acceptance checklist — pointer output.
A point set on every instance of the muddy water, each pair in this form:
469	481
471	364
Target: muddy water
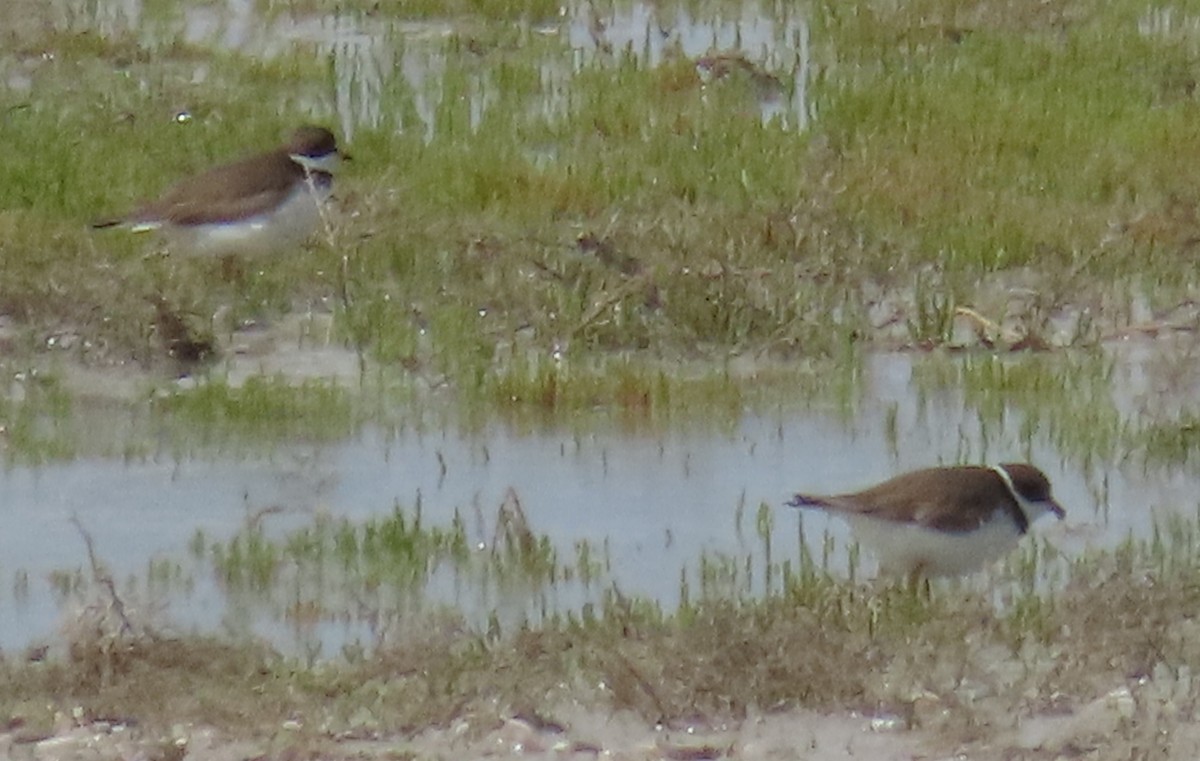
658	502
373	57
663	498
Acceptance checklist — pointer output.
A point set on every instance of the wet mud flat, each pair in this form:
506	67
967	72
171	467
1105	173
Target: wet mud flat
995	190
1081	643
827	668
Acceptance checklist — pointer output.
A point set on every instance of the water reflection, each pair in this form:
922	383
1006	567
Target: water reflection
776	43
384	69
658	502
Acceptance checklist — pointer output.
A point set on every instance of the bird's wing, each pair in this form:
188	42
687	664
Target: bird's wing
230	192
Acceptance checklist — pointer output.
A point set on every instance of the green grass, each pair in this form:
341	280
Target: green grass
338	571
1072	401
1063	398
652	251
37	420
965	147
622	247
435	10
999	149
268	409
978	656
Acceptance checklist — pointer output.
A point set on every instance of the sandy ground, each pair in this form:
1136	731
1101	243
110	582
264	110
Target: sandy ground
1137	722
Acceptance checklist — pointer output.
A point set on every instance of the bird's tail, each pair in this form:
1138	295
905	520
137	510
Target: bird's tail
806	500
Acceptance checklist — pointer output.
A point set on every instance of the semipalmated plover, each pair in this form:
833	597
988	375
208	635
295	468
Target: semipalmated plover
262	203
943	521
